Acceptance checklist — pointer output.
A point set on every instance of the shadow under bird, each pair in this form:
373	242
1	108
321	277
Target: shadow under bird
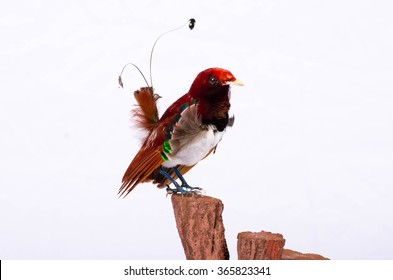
188	131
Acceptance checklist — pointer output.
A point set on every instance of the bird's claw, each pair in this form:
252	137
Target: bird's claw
185	189
194	190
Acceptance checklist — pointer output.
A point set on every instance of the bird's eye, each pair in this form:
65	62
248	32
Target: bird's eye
213	81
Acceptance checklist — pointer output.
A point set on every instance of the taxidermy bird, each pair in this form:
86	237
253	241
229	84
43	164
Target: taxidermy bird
188	131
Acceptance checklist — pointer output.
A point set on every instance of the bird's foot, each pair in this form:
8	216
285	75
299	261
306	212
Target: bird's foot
185	189
193	190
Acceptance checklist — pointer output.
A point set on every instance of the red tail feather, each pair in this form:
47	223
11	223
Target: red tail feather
146	113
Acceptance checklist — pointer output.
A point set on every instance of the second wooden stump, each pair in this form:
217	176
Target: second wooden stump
259	245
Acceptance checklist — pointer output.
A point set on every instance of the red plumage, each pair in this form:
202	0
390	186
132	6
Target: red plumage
172	140
146	113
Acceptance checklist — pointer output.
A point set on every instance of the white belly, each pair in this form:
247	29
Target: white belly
196	150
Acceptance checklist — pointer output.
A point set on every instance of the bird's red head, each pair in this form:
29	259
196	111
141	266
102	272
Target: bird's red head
212	80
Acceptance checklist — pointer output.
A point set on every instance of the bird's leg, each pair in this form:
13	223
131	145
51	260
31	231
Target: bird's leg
184	188
184	184
177	186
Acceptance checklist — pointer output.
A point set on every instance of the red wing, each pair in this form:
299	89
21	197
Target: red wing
145	166
141	167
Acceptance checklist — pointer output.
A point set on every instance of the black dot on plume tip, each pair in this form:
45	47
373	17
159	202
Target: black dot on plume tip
191	24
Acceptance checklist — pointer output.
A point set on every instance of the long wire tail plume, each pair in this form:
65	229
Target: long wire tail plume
191	25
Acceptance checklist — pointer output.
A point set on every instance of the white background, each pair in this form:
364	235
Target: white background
310	155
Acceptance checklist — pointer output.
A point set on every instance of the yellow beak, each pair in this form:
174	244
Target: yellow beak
235	83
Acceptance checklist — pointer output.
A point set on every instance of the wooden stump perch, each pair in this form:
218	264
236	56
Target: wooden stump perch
259	245
200	226
268	246
201	230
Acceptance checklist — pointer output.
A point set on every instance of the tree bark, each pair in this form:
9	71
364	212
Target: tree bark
200	226
259	245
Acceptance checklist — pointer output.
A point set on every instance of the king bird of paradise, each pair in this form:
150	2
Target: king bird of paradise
188	131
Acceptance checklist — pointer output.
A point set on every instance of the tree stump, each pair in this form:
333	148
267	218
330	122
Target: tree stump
259	245
200	226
